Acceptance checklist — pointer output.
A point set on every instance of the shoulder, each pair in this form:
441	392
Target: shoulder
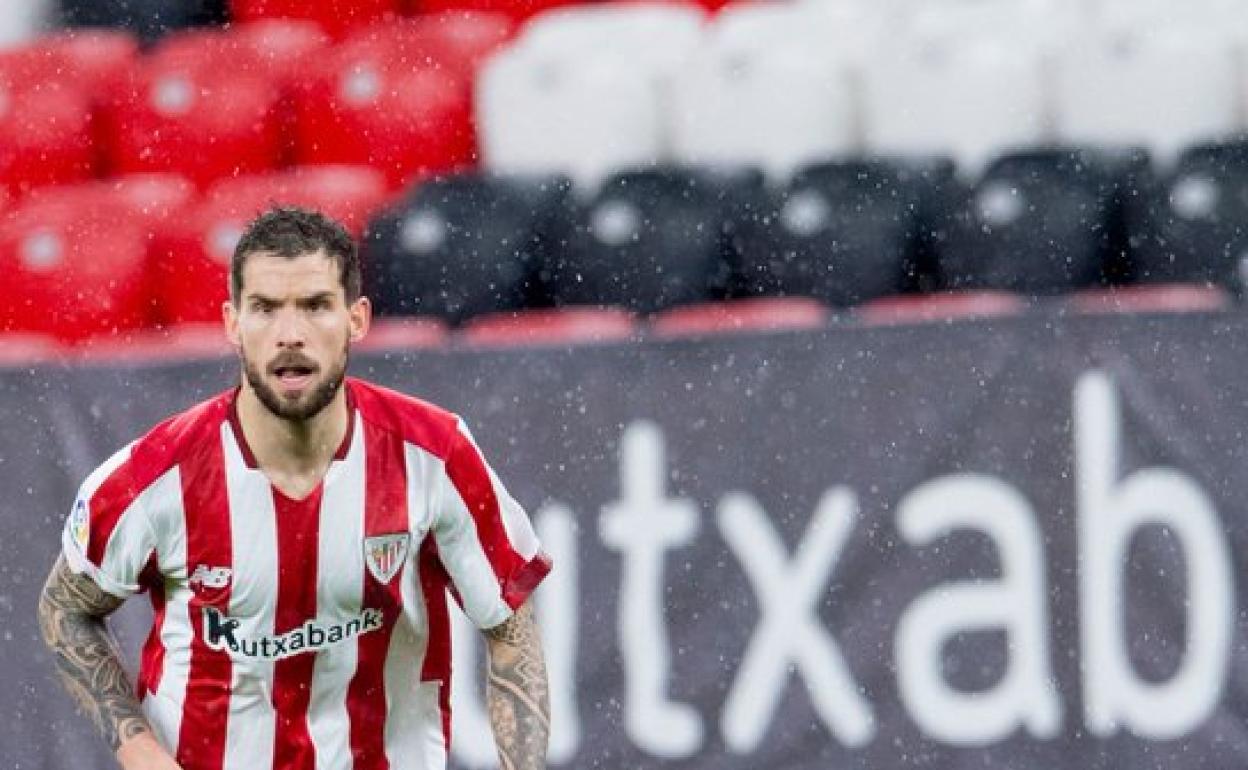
416	421
175	439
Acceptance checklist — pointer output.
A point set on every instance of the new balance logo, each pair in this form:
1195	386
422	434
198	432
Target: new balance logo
210	577
221	633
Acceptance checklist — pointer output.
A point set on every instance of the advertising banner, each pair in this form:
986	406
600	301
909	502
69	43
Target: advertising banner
1007	544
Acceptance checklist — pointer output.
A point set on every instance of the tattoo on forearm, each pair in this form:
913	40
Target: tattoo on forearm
518	694
71	618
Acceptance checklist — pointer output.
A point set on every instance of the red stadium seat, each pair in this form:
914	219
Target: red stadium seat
179	115
349	194
186	341
455	40
404	334
731	316
149	199
1160	298
190	257
45	137
519	10
96	60
364	105
561	326
72	269
275	49
336	17
928	308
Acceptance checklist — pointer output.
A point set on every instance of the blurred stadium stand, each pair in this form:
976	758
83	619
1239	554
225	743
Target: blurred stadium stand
503	156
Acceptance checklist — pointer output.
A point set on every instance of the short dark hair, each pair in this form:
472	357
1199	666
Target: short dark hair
290	232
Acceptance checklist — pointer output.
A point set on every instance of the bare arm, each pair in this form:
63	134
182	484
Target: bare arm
517	692
72	609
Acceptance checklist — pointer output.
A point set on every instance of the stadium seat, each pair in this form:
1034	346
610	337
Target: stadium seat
549	326
95	60
276	50
465	245
190	256
459	41
938	308
20	21
1162	91
72	270
1042	221
649	240
970	99
841	232
412	333
45	137
654	35
517	10
149	200
174	116
185	341
759	314
584	91
337	17
149	19
585	121
1192	226
363	105
279	51
1042	26
1159	298
777	106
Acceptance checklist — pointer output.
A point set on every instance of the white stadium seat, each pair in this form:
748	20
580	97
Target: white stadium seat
1161	90
585	90
776	108
585	119
972	99
655	35
22	20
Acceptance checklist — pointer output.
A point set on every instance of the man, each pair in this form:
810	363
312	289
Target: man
298	535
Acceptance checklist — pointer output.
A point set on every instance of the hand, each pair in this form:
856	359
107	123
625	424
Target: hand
144	752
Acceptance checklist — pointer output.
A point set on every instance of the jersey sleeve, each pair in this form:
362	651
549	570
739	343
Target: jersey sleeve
484	538
108	535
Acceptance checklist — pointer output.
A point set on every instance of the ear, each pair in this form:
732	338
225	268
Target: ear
361	312
229	315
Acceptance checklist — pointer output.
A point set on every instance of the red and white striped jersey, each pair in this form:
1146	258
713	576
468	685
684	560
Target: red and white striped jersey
307	633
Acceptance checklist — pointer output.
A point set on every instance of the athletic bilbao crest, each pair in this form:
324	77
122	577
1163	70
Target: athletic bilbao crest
385	554
80	524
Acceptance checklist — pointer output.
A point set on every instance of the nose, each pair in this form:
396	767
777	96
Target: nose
290	331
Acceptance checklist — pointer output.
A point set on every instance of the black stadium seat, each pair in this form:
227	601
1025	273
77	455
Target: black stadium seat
1192	226
648	240
843	232
465	245
149	19
1042	221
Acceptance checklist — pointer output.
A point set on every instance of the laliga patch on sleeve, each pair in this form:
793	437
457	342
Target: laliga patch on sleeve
80	524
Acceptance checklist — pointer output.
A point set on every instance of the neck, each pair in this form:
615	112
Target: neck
292	446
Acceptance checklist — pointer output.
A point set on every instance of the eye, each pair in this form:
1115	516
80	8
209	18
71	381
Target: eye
262	307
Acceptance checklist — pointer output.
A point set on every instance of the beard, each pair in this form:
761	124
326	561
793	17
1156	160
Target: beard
312	402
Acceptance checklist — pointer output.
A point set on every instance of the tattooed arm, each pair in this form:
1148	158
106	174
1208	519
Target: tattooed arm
518	696
71	618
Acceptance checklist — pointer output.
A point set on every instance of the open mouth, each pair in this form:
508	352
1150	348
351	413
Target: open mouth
294	376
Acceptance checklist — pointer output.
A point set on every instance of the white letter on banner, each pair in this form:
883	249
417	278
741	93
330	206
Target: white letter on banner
1109	513
1026	694
788	593
642	525
557	613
